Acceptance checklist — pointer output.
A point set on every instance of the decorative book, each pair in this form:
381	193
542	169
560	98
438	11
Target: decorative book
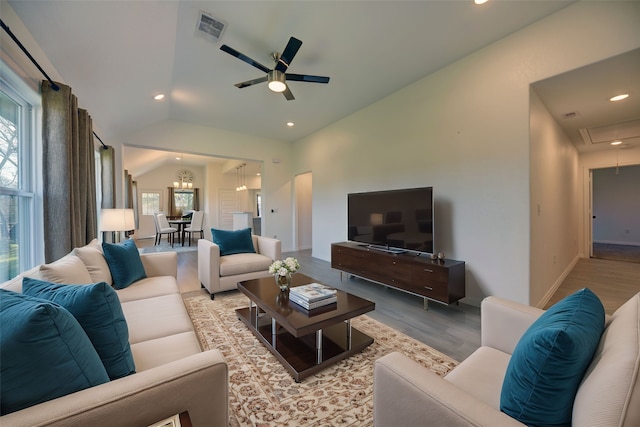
311	305
312	292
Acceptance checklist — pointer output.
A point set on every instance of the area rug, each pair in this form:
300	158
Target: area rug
262	393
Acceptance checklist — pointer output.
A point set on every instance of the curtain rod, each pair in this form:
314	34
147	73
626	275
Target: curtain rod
54	86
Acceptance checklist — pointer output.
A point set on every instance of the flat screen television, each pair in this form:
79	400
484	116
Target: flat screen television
393	220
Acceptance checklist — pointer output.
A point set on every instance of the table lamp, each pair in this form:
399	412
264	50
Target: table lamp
116	220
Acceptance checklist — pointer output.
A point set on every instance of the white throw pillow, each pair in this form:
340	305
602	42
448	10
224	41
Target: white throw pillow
96	264
69	270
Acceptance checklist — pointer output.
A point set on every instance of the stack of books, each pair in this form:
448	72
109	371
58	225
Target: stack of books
312	296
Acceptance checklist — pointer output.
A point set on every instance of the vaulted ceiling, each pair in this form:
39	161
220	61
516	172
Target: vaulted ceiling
117	55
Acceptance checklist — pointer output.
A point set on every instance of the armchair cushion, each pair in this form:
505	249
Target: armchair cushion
550	359
124	263
233	242
232	265
97	308
45	353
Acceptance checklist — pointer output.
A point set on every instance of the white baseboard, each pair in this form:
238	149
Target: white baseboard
545	299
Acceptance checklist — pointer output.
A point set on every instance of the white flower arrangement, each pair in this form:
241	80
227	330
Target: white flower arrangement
283	267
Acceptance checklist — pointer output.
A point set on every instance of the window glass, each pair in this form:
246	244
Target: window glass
16	195
150	202
183	200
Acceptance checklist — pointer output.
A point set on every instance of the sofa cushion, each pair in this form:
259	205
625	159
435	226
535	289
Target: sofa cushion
69	269
97	308
610	392
124	263
550	359
481	374
151	353
156	317
148	288
45	353
232	265
93	259
233	242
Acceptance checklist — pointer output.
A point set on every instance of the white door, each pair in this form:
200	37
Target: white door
227	206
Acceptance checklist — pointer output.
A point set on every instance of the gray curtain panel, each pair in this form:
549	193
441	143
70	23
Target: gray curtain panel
172	202
196	199
108	177
70	217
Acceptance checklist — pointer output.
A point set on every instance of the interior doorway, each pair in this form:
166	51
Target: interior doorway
304	218
615	196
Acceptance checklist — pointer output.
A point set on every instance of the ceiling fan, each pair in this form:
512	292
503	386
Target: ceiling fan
277	76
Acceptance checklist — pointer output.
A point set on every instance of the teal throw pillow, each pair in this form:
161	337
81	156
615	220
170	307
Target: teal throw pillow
124	263
45	353
233	242
550	360
97	308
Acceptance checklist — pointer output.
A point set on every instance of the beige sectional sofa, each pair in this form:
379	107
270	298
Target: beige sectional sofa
407	394
173	375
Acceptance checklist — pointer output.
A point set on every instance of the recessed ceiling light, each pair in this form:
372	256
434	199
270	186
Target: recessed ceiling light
619	97
290	124
159	97
480	1
178	158
618	142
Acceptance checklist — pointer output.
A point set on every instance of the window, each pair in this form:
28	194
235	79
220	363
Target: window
258	205
17	183
183	200
150	202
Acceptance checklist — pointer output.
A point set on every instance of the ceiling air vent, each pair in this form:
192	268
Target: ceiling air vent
570	115
209	27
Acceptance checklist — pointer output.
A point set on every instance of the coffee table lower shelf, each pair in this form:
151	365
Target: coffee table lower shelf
300	355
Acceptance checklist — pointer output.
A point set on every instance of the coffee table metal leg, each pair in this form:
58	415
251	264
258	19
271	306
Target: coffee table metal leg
273	332
319	346
348	321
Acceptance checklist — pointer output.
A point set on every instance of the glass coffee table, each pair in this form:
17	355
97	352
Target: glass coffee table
305	342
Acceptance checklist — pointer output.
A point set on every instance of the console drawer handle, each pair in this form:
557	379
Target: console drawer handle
428	288
428	271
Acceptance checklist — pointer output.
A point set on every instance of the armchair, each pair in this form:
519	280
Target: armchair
407	394
222	273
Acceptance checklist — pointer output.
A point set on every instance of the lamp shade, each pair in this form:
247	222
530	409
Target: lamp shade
117	220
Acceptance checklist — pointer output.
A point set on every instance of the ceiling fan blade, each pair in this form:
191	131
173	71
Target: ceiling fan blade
231	51
251	82
287	94
287	56
307	78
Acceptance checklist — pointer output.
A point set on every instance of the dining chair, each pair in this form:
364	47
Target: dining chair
196	226
165	228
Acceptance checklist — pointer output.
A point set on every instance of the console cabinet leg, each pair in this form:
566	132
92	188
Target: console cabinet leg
426	303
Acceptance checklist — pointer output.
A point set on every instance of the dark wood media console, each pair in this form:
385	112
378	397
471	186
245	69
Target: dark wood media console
440	281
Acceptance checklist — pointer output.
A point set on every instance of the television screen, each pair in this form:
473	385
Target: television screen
392	219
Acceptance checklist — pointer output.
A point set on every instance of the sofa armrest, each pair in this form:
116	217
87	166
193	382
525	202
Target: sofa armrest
407	394
503	322
269	247
160	264
209	265
197	384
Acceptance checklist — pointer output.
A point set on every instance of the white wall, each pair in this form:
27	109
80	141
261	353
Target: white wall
616	205
465	131
554	204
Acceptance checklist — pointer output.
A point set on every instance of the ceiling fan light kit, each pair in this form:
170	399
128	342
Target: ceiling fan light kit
276	81
277	76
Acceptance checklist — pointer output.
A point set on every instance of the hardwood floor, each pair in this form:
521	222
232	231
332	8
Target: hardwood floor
613	281
455	329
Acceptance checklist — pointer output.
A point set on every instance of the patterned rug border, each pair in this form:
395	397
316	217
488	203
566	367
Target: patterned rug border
261	391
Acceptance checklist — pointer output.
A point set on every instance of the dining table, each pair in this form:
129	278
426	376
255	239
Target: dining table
181	223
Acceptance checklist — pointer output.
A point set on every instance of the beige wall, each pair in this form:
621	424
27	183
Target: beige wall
465	130
554	204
